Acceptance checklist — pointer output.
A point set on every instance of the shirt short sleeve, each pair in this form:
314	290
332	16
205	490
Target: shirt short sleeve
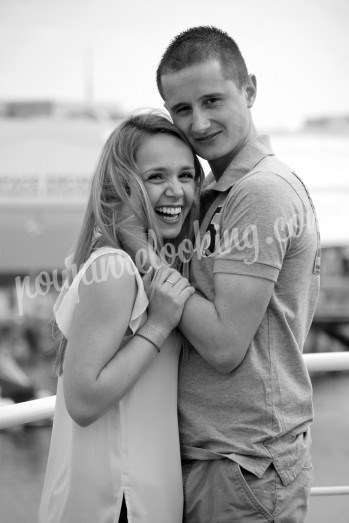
256	227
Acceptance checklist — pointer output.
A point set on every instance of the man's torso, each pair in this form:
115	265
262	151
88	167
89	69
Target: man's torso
257	413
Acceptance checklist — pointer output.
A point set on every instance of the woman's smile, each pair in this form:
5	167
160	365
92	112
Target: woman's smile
169	214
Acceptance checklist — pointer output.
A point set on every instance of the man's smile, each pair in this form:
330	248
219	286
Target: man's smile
207	138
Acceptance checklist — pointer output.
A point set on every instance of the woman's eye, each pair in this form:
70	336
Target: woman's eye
188	175
154	177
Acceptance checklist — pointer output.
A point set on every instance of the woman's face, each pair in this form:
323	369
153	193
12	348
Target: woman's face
167	169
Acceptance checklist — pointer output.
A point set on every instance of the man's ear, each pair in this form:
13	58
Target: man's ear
251	90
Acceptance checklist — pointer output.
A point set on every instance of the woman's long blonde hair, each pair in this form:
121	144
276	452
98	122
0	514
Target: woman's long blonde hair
116	185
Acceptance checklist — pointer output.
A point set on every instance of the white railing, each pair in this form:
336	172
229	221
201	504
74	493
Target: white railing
329	491
327	361
35	410
27	412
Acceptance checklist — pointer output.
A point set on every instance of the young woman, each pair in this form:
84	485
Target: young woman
115	439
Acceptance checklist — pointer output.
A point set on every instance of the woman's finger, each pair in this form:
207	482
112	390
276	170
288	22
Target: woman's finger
173	279
167	274
181	284
160	274
186	293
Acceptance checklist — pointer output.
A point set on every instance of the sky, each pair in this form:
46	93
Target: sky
55	49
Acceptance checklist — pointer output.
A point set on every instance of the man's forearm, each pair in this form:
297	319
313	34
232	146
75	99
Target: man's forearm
203	327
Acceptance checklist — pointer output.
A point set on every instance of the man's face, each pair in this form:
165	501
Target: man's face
209	108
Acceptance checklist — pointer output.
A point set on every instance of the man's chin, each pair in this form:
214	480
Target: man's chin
209	156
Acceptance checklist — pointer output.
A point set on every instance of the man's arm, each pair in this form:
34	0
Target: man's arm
221	331
244	278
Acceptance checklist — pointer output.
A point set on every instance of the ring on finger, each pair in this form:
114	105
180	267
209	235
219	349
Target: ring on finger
170	282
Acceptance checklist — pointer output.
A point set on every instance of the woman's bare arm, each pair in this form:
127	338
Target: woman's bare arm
96	371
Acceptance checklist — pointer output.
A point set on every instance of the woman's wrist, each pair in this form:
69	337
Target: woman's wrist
149	340
154	333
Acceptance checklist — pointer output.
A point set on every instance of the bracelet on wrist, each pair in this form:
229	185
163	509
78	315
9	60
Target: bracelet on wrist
148	339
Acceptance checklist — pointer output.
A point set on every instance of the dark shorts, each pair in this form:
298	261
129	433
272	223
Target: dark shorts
220	491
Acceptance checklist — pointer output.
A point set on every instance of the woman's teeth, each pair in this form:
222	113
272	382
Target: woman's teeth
169	210
169	214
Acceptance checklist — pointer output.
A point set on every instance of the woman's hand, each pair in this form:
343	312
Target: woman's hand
167	292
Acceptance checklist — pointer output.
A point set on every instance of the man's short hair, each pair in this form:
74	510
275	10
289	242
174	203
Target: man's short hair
199	44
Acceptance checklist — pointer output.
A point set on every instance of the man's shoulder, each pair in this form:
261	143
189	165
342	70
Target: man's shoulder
270	179
270	167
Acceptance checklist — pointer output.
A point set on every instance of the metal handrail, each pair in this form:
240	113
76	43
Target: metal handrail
330	491
35	410
327	361
26	412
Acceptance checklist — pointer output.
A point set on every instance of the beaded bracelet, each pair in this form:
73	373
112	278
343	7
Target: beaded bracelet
148	339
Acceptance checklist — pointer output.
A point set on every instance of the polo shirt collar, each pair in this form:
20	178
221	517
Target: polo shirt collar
246	159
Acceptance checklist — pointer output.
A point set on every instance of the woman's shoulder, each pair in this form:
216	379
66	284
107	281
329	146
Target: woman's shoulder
107	268
115	254
105	271
106	280
109	257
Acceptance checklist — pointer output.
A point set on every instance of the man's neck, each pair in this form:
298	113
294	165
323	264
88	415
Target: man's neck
219	165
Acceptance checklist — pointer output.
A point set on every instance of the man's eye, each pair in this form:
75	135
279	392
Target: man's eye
182	110
212	101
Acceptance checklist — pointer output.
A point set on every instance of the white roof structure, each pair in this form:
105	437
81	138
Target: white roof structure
45	171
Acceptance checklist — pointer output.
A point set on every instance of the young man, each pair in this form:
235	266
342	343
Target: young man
245	397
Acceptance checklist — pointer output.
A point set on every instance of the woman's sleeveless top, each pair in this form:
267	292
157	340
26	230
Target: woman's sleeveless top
131	451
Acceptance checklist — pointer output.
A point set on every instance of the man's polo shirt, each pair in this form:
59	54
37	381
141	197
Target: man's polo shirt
259	222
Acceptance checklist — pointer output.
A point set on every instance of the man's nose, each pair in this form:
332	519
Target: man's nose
200	122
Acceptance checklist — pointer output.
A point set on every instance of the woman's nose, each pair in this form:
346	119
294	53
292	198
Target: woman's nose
174	188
